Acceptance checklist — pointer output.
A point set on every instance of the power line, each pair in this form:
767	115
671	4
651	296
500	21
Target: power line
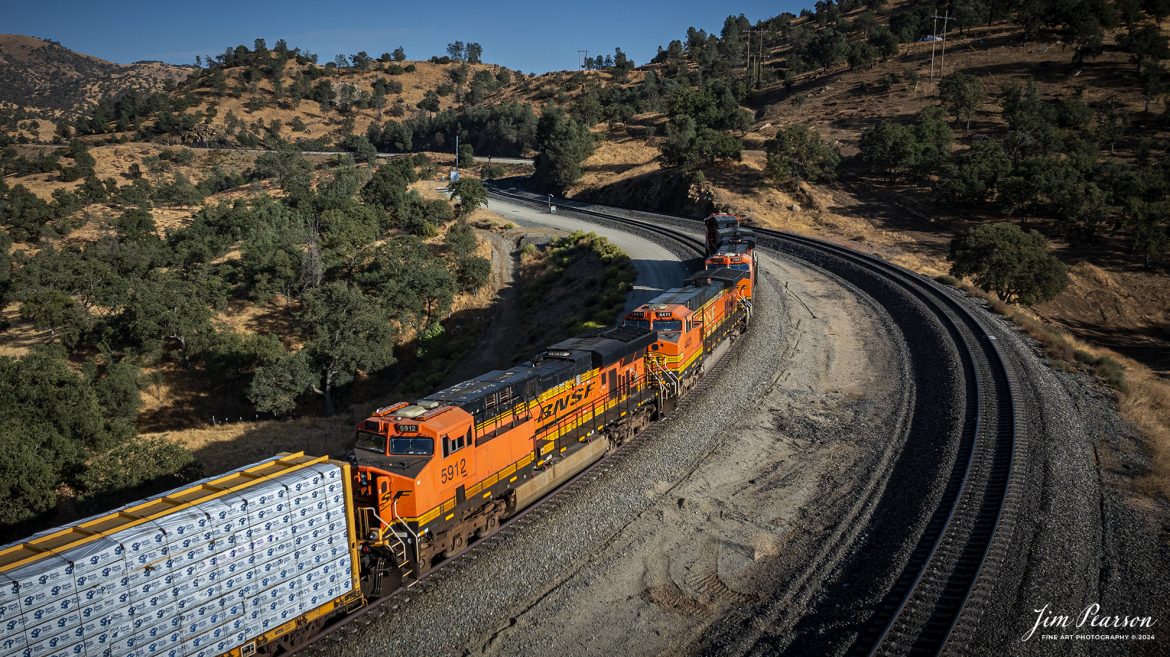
945	18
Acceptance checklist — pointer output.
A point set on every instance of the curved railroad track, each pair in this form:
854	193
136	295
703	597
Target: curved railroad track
938	595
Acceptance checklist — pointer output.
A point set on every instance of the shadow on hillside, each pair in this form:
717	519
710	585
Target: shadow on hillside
1146	345
664	190
612	168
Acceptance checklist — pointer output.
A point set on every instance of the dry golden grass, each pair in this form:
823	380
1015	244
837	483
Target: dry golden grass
224	446
615	160
1146	403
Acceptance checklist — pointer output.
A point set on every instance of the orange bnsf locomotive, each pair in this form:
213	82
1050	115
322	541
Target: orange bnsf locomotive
434	475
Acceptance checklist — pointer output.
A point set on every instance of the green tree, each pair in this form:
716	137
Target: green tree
1014	264
277	385
420	216
1145	45
5	266
933	139
167	315
399	54
29	471
975	176
131	465
460	239
861	55
430	101
897	150
57	312
362	149
474	52
884	42
292	171
888	148
563	143
346	230
397	136
415	287
118	389
694	148
345	331
387	187
470	194
962	95
829	48
797	153
136	224
272	255
472	272
1148	224
466	155
23	213
1153	82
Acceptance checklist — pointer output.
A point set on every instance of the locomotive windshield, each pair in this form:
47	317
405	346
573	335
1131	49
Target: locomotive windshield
371	441
668	324
743	267
643	324
412	446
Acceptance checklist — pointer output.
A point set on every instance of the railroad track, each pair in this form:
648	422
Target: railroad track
937	598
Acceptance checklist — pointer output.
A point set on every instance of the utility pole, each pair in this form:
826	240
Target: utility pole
456	156
584	58
760	63
747	65
945	18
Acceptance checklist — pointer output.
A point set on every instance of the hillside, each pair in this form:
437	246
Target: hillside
52	82
849	124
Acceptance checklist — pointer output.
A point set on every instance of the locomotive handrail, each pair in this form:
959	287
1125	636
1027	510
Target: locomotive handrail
394	516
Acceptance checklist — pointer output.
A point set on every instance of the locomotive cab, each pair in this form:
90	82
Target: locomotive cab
717	225
408	458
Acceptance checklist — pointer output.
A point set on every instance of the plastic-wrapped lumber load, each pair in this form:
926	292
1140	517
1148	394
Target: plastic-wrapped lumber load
219	566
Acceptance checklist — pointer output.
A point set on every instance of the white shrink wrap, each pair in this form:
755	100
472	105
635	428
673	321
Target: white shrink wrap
198	581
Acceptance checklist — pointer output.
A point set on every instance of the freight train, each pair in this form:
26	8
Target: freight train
258	560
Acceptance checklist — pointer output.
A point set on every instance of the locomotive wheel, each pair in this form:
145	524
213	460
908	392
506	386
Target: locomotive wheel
457	545
491	524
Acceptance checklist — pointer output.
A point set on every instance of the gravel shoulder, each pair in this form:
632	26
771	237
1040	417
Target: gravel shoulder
1088	535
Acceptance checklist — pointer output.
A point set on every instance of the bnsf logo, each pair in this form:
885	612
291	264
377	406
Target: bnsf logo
571	399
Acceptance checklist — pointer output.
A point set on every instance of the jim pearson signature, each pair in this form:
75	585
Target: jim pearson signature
1090	617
